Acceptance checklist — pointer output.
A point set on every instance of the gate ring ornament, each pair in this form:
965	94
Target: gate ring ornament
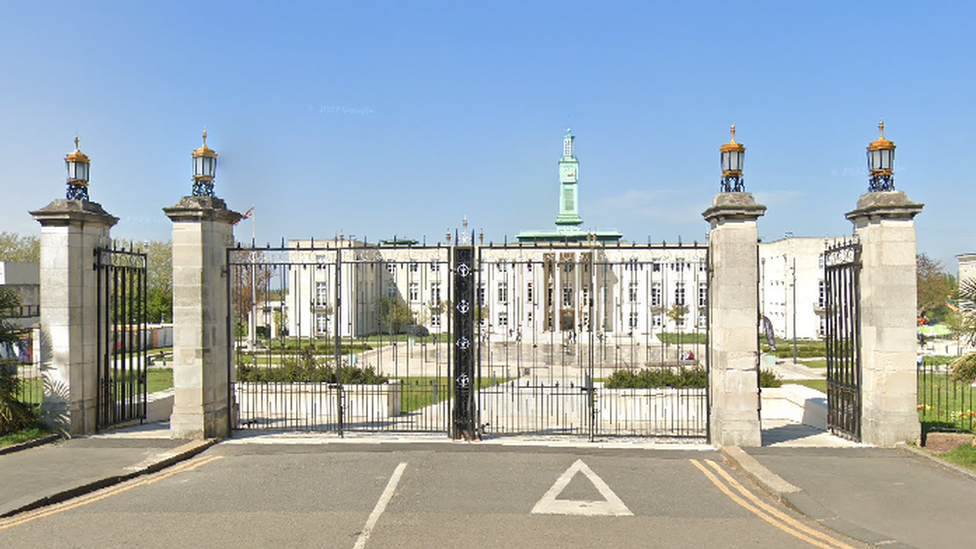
463	270
463	381
463	344
463	307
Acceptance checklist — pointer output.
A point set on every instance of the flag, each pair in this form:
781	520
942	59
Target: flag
246	215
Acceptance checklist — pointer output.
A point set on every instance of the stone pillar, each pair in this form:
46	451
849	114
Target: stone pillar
733	247
71	230
203	229
884	224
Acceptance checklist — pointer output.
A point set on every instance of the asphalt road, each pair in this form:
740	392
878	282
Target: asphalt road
412	496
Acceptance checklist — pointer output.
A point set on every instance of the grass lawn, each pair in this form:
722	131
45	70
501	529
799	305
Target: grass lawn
26	435
964	456
157	379
814	363
818	384
419	392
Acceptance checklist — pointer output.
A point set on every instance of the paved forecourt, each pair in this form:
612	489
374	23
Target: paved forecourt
425	495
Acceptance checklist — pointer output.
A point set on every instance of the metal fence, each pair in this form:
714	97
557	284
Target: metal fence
945	404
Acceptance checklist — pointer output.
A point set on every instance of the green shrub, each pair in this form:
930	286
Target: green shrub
690	338
767	378
650	378
964	368
308	368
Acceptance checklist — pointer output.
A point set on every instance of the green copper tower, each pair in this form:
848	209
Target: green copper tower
569	223
569	220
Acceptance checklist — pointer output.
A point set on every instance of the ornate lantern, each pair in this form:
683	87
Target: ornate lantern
733	155
78	167
881	163
204	169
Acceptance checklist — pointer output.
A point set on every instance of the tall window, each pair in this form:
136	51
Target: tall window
503	318
567	296
586	296
679	294
633	320
435	292
391	268
435	320
821	294
321	294
656	294
321	324
702	320
702	296
530	293
414	291
503	292
481	294
632	265
656	267
656	321
413	266
632	292
435	267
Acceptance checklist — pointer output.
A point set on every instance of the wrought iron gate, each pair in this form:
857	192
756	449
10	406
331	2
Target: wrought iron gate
340	336
121	343
842	263
576	338
592	340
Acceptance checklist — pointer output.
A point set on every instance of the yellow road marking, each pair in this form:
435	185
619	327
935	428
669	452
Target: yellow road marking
105	493
767	513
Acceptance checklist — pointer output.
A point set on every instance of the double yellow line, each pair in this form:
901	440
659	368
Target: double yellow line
750	502
105	493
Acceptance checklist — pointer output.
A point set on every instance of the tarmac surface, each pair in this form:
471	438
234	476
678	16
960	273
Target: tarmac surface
882	497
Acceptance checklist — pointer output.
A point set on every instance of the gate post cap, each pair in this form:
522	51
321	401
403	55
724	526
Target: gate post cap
885	204
63	211
202	208
733	205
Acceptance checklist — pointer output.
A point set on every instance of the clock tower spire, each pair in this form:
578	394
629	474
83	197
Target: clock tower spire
569	220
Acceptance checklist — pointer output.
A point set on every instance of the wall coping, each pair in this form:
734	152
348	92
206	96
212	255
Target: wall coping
885	205
202	208
734	206
63	212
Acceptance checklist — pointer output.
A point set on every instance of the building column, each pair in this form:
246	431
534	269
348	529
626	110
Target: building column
203	229
884	224
733	344
71	231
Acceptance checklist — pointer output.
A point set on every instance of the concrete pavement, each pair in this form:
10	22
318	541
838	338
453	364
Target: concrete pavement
891	498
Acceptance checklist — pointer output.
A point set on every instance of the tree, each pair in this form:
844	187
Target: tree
393	312
935	288
159	281
678	313
14	247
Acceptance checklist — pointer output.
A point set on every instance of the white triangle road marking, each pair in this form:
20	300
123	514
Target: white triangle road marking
611	506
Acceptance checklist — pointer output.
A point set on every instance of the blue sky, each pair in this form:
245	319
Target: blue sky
383	118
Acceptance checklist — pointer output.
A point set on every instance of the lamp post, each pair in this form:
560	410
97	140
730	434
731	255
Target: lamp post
204	169
733	155
881	162
78	166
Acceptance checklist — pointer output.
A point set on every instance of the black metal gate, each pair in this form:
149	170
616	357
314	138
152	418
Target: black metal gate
592	340
121	343
558	339
842	263
341	335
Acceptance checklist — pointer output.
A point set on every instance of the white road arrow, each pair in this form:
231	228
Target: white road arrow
611	506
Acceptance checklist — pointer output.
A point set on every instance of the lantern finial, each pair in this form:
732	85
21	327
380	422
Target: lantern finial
76	142
204	135
733	133
881	127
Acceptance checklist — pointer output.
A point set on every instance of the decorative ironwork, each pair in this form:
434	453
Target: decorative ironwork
842	264
77	192
121	336
881	182
733	184
203	188
464	394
